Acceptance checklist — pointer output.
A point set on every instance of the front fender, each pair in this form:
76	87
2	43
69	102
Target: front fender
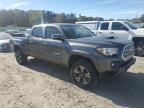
84	54
81	53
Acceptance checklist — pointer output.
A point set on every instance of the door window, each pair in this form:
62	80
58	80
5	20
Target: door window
117	26
51	31
104	26
37	32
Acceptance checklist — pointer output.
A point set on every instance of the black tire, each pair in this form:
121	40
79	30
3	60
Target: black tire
139	47
20	57
88	78
139	50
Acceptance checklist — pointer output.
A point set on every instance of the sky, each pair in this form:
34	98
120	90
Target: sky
103	8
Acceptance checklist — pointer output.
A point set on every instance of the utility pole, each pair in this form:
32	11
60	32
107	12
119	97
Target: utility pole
42	19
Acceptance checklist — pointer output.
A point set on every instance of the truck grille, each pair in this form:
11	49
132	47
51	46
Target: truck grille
128	52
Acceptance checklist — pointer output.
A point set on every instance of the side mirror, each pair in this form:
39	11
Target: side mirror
124	28
58	37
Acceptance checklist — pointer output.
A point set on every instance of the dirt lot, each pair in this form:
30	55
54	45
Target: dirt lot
44	85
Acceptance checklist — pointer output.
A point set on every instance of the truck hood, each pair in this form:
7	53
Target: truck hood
139	32
100	41
4	41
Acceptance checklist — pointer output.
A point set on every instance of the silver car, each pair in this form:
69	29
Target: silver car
5	42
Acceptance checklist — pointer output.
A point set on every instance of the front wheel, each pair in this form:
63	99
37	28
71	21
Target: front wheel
84	74
20	57
139	50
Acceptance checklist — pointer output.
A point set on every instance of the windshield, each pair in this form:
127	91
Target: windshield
131	25
76	31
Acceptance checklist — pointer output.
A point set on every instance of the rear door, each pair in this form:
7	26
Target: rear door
117	31
54	49
104	29
35	42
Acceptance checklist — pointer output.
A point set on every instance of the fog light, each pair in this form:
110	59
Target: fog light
113	64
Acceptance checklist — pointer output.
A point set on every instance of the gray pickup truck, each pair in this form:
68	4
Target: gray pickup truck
76	47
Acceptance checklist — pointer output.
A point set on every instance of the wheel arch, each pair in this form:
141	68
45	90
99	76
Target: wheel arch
75	57
16	47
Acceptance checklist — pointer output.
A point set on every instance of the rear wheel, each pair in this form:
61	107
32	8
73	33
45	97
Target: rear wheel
20	57
84	74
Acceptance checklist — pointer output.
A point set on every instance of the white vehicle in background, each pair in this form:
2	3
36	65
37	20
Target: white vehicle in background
138	24
28	32
120	29
92	25
5	42
113	28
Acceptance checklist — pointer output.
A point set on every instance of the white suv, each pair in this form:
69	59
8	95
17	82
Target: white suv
113	28
116	28
121	29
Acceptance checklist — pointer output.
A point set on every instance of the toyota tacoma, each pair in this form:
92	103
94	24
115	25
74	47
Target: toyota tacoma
78	48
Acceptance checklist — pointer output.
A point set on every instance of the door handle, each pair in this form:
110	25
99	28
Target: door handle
44	43
99	32
30	41
111	32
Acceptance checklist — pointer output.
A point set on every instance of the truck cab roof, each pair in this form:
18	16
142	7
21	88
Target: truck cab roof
87	22
52	24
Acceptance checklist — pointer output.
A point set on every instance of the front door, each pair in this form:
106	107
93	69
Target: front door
116	30
54	49
35	42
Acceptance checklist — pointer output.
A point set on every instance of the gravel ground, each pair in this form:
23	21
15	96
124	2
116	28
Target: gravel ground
44	85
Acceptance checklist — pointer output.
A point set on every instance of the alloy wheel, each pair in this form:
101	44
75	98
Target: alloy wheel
82	75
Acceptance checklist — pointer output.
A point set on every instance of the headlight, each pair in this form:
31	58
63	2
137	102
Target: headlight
107	51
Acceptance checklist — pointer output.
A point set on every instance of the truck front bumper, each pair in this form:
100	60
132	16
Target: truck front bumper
115	65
